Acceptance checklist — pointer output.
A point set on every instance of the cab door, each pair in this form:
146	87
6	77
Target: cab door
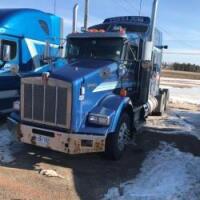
129	80
9	81
7	77
156	70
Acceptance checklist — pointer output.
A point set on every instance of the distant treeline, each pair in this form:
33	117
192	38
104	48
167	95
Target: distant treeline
184	67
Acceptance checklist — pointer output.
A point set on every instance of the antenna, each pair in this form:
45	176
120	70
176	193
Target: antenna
54	7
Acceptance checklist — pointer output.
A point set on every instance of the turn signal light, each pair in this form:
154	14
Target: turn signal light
122	31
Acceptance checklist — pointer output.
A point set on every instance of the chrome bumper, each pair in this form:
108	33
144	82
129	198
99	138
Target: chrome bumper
59	141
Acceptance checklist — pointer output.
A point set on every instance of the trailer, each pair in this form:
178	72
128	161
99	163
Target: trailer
101	98
23	37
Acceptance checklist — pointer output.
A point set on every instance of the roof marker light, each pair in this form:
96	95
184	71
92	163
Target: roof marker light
96	31
122	31
123	92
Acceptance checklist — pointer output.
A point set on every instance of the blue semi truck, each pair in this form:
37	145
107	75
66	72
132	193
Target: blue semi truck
23	37
102	96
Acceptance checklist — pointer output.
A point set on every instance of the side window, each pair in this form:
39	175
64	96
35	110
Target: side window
132	53
13	46
156	61
73	51
44	26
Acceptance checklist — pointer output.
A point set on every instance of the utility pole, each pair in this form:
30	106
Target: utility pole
86	14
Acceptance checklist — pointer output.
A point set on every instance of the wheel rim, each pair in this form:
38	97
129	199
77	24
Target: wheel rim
123	136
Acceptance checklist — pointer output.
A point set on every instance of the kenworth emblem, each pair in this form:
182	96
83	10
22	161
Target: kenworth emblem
45	77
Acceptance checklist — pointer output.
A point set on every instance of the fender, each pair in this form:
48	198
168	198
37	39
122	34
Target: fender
112	106
117	104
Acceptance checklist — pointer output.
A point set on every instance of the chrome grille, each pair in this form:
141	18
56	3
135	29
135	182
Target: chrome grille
48	104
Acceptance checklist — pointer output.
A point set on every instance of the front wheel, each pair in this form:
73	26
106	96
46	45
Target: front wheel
116	142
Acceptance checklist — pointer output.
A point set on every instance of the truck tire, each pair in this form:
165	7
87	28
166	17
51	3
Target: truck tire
116	142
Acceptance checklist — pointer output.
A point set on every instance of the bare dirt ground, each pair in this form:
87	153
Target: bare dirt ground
89	177
181	74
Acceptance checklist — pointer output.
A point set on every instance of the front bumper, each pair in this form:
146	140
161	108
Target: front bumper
69	143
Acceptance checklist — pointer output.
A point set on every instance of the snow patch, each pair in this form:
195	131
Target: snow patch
185	95
177	81
50	173
172	124
182	90
6	141
166	174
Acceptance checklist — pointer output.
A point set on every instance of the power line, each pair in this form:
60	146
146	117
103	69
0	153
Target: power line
122	5
126	7
182	53
132	5
183	42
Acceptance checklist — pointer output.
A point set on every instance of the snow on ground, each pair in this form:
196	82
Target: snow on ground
6	141
185	95
180	82
182	90
173	123
166	174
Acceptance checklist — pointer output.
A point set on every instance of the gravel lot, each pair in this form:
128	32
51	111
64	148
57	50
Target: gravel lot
91	177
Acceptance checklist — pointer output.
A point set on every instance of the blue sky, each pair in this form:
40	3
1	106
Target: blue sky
177	19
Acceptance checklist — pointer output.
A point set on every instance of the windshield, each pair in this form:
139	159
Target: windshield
95	48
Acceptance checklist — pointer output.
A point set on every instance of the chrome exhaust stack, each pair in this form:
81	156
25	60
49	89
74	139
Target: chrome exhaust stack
86	15
75	18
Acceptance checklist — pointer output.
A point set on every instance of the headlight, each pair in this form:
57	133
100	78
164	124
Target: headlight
98	119
16	105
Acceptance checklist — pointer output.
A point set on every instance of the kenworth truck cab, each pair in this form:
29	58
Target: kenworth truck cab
23	35
101	97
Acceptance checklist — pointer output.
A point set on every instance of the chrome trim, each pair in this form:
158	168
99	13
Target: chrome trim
51	82
69	143
13	121
99	116
56	107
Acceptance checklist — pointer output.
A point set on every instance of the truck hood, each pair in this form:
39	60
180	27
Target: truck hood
73	71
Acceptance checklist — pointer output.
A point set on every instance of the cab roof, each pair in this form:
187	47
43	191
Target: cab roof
128	27
22	22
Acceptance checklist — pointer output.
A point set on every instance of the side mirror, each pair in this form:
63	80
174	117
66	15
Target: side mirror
6	53
122	71
165	47
147	51
83	30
